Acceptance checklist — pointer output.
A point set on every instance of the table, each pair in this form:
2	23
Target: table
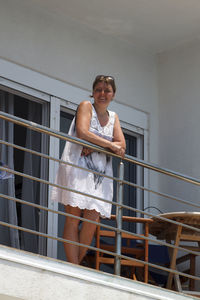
171	232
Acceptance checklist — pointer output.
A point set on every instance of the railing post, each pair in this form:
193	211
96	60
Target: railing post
119	218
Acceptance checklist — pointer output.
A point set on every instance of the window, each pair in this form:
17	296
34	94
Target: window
23	162
51	111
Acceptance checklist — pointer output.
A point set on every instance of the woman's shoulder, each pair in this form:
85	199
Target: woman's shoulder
86	103
84	106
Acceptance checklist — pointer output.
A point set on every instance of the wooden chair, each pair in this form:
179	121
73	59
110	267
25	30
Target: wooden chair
136	247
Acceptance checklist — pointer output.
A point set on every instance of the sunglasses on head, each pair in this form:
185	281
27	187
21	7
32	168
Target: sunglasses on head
104	77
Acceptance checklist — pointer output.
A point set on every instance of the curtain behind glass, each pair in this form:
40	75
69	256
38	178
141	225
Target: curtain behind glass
8	211
33	191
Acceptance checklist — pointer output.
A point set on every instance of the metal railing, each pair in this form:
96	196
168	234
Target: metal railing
119	204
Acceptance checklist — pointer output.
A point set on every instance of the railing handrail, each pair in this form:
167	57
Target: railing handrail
66	137
167	196
98	198
104	225
128	158
98	249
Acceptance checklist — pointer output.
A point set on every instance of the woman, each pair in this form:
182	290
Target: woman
95	124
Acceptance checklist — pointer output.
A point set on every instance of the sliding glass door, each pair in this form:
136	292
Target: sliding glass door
27	163
57	114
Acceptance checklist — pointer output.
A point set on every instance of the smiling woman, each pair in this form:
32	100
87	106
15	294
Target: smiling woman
95	124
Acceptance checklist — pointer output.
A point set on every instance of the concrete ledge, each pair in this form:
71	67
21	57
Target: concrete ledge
28	276
4	297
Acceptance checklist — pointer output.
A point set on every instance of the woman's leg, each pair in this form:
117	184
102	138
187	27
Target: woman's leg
71	232
87	231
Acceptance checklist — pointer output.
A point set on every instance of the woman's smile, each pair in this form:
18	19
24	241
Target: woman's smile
103	93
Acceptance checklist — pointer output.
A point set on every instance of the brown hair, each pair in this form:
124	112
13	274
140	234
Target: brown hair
104	78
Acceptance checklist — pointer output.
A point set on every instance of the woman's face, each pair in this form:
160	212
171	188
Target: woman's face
103	93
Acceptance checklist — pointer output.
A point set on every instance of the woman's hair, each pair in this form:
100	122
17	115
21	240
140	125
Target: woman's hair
104	78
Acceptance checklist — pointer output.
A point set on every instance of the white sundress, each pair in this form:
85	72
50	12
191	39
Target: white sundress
85	181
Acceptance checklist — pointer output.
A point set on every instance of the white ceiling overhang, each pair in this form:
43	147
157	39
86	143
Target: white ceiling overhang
152	25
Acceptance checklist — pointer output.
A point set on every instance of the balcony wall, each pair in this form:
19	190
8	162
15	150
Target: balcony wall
27	276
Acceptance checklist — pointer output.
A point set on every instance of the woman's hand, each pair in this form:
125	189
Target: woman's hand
118	145
117	149
86	151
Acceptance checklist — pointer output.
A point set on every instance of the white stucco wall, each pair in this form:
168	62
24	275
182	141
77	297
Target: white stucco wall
179	126
63	49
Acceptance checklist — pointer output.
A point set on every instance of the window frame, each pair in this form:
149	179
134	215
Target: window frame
38	87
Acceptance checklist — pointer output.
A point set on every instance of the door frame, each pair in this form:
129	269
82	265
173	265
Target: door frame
60	95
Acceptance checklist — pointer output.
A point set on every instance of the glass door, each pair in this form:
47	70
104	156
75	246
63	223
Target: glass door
24	162
26	189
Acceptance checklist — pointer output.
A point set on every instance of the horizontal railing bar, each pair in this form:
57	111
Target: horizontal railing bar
57	134
165	171
102	225
53	184
167	196
98	249
62	213
98	198
129	159
56	159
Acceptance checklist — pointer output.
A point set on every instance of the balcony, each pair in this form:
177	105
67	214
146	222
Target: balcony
26	275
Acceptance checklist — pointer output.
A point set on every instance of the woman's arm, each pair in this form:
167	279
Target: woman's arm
83	118
118	137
